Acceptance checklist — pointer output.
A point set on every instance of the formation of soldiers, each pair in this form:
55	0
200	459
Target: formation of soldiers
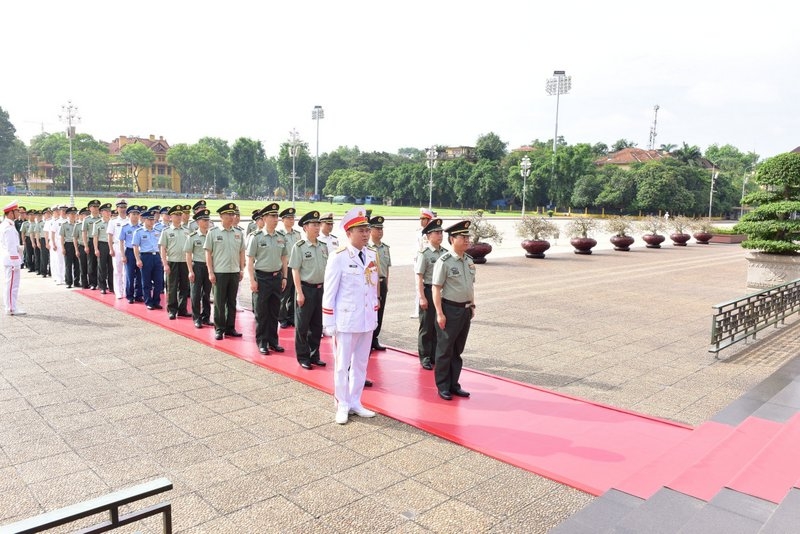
144	252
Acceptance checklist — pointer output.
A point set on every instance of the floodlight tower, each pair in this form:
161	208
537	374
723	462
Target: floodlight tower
316	114
558	85
70	115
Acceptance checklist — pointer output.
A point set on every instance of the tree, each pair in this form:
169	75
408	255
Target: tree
137	157
619	144
667	148
7	131
661	186
688	154
491	147
14	160
247	159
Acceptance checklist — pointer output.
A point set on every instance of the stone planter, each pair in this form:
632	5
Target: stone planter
478	251
535	248
729	239
582	245
702	238
622	242
679	240
653	240
769	270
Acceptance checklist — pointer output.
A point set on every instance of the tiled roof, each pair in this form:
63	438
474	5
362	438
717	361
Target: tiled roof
628	156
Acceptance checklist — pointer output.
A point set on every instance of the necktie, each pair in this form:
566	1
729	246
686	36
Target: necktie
361	256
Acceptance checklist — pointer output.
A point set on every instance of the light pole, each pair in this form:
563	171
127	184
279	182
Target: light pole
741	202
558	85
524	171
293	143
316	114
714	175
432	155
70	114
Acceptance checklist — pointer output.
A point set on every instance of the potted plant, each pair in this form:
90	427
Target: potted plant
680	225
651	226
703	231
535	231
620	226
578	230
479	229
773	231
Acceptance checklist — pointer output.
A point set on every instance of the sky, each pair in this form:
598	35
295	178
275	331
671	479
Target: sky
415	73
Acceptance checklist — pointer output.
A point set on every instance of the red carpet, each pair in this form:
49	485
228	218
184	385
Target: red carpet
585	445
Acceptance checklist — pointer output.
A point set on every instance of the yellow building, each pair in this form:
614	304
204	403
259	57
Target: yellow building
160	176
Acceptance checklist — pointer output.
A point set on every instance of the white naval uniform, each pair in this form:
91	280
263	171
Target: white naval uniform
350	305
331	241
58	265
11	259
114	230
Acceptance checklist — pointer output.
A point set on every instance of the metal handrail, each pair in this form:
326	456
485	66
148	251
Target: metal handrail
110	503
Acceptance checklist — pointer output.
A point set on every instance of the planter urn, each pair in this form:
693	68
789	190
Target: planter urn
582	245
478	251
535	248
653	240
702	238
622	242
679	240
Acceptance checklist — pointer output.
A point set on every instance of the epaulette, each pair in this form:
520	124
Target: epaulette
193	233
467	255
341	249
239	228
299	242
333	236
445	256
444	249
279	231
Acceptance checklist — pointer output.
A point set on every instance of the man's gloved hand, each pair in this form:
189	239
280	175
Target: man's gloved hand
329	331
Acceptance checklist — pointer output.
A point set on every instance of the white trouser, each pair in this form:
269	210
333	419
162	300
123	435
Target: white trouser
11	288
351	356
119	275
57	264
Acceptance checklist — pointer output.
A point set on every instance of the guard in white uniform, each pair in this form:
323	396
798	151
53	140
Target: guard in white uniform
114	230
350	313
57	261
11	259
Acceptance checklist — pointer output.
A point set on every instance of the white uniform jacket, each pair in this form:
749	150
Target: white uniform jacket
350	297
9	245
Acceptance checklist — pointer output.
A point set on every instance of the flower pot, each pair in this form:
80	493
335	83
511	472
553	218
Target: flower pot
622	242
582	245
535	248
702	238
679	240
478	251
653	240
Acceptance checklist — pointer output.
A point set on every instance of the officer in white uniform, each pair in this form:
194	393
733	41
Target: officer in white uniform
11	259
114	230
325	235
57	262
350	313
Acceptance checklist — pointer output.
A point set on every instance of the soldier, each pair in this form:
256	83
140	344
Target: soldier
10	259
255	224
173	257
105	269
54	238
88	242
384	262
24	231
307	262
145	249
425	216
83	256
186	216
163	220
72	272
44	246
286	314
267	258
225	260
33	232
198	271
454	299
199	205
114	231
350	313
325	235
22	218
133	275
426	340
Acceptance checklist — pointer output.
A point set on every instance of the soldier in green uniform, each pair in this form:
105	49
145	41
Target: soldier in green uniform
172	244
198	271
267	258
454	299
423	268
292	236
199	205
105	267
88	243
256	223
384	262
72	272
307	262
224	247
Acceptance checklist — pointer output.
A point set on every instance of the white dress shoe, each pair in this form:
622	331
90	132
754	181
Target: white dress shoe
341	417
362	412
19	312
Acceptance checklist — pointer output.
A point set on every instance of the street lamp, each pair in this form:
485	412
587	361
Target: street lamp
558	85
524	171
432	155
316	114
293	144
70	114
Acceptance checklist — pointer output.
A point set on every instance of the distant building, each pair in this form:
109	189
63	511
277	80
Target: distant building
458	152
628	156
160	176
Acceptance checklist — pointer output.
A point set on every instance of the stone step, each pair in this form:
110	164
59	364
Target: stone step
786	518
601	515
730	512
663	513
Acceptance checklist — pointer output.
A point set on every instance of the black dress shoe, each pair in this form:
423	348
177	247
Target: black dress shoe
283	325
460	393
150	308
277	348
218	335
158	307
69	287
90	287
367	383
378	346
306	365
233	333
130	301
208	323
319	363
445	395
137	299
184	314
263	350
427	366
198	324
103	291
171	316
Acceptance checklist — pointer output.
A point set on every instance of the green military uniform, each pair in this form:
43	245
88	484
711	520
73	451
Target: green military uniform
172	245
72	272
200	287
384	262
225	250
91	258
105	266
426	259
286	313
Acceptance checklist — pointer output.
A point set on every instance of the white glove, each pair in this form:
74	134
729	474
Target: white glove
329	331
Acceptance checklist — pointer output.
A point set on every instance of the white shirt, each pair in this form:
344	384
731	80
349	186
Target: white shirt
115	228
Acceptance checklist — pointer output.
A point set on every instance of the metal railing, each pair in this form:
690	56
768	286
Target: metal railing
108	503
738	319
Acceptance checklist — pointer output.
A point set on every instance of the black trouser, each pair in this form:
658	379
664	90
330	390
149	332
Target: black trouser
450	343
91	261
286	314
383	290
29	256
72	271
44	258
178	287
225	290
37	258
308	324
133	277
426	340
105	267
266	305
83	262
201	293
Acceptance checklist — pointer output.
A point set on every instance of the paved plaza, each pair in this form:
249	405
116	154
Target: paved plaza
93	400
